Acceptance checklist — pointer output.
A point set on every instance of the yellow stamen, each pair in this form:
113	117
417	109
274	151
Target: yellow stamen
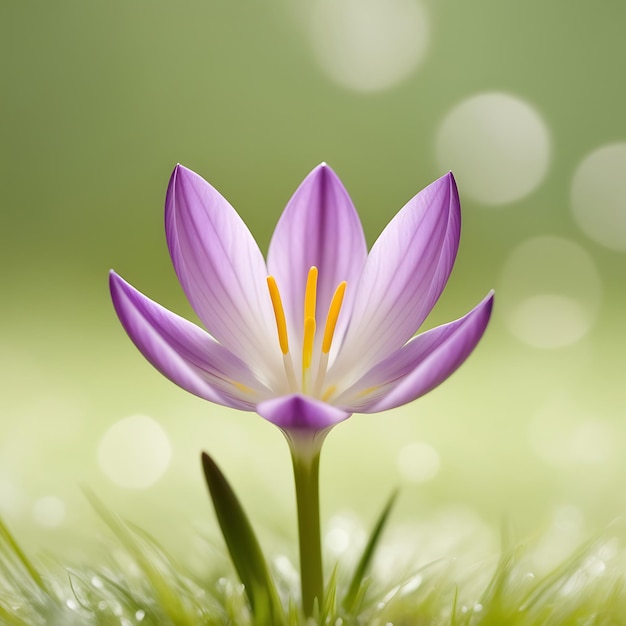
279	314
307	343
310	295
333	315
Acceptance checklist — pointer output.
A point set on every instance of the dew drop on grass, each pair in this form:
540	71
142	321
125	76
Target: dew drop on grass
411	585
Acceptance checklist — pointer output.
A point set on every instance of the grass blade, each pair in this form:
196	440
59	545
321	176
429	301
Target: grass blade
350	600
151	560
329	607
243	547
7	538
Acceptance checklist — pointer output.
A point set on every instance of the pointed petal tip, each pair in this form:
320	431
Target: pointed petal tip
183	175
452	349
482	311
454	200
488	304
452	179
321	172
323	169
182	181
448	178
171	184
182	171
443	184
115	282
489	298
120	289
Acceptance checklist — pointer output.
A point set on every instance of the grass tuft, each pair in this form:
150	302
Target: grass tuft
140	584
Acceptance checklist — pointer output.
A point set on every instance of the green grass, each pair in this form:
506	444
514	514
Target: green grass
139	583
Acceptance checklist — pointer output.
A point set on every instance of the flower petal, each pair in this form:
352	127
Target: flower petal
420	366
221	270
183	352
301	413
403	277
319	227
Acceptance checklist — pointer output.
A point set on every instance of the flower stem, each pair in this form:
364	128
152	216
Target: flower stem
306	465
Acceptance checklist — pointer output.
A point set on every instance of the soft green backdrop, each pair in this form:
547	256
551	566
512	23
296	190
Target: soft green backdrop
99	101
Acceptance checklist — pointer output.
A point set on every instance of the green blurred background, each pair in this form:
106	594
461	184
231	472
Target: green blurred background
524	101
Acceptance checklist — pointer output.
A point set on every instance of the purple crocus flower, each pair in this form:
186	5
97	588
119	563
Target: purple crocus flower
322	329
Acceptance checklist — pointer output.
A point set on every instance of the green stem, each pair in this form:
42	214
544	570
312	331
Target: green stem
306	464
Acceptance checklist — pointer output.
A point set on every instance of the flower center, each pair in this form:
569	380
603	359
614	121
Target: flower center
308	383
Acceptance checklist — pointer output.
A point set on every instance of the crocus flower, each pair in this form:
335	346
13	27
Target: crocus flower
318	332
323	329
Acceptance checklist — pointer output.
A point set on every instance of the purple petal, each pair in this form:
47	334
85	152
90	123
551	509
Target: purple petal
301	413
319	227
404	276
221	270
183	352
420	366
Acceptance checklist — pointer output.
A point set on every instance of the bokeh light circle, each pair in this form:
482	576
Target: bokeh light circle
563	435
369	45
497	145
135	452
598	196
549	292
49	511
344	534
418	462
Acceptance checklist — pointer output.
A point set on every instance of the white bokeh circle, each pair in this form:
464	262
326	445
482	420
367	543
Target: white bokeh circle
368	45
344	534
549	292
49	511
418	462
563	435
598	196
135	452
497	145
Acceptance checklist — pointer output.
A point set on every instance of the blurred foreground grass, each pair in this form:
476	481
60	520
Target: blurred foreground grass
139	583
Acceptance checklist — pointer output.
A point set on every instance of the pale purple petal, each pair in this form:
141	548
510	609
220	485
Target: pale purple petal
403	277
420	366
319	227
301	413
221	270
183	352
